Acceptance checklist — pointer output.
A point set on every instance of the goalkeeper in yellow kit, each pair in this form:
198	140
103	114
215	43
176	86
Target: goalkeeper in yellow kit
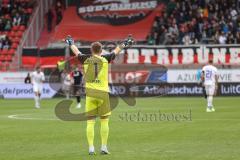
97	90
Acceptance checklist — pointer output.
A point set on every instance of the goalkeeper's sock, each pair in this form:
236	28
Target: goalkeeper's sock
91	150
90	134
104	132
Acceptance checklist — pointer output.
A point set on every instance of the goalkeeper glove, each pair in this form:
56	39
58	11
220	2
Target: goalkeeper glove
128	42
69	40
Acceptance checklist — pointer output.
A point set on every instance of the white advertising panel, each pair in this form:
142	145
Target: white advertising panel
190	76
22	91
12	77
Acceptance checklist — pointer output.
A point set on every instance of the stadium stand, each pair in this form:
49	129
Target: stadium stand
14	17
192	22
109	29
169	22
178	22
52	18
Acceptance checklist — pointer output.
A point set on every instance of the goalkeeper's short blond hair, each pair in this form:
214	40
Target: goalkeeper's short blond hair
96	48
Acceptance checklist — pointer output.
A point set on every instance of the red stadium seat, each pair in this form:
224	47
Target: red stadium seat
4	5
14	46
3	69
6	65
5	51
11	52
7	16
5	32
29	10
8	34
22	28
11	34
1	66
5	1
16	40
8	58
2	57
18	34
11	38
15	28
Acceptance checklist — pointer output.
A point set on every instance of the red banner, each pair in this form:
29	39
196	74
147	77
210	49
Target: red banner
43	57
105	21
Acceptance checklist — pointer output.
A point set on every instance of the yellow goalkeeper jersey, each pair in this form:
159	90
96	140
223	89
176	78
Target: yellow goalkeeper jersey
96	71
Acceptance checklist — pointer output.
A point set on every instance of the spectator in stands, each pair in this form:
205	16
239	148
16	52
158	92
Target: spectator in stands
49	20
162	35
190	22
17	20
1	44
2	41
168	40
1	24
25	18
24	4
234	13
58	11
59	16
238	38
150	39
8	26
0	8
14	8
231	39
222	38
58	5
6	43
187	39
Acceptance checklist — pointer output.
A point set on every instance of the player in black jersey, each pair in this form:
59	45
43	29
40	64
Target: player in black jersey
77	77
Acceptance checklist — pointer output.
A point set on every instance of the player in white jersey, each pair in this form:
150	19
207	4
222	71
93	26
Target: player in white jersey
37	79
210	80
67	81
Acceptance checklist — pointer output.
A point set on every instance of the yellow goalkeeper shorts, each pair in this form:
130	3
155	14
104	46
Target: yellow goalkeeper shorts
98	104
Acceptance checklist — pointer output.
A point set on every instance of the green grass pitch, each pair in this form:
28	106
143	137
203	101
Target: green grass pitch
38	135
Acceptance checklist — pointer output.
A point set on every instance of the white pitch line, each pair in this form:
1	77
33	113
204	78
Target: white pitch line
30	118
15	116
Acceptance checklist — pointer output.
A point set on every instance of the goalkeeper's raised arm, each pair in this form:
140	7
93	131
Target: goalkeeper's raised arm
126	43
69	40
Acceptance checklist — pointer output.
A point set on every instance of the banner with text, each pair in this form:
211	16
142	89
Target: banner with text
109	20
173	89
12	77
190	76
21	91
176	55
